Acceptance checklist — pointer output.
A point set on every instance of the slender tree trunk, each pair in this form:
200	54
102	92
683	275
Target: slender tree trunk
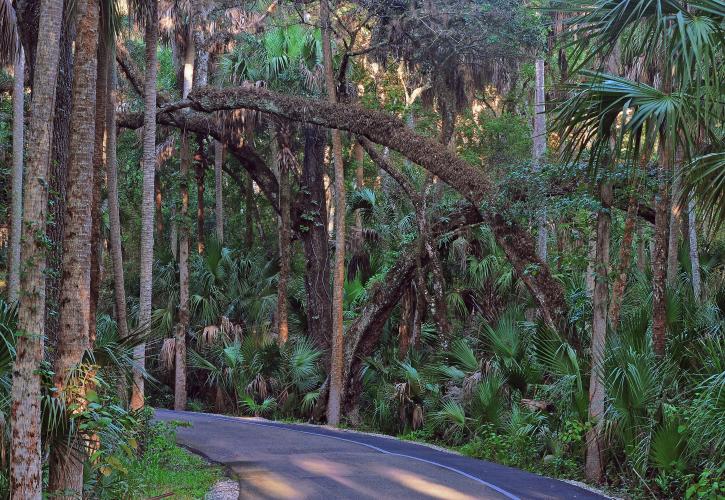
673	263
594	456
338	274
25	451
66	470
17	177
57	178
625	257
184	166
539	150
218	191
359	156
114	219
659	257
103	62
284	234
694	255
159	204
315	239
174	233
405	325
200	171
147	204
641	244
590	274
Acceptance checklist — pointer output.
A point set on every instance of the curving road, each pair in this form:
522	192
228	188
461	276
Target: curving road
274	460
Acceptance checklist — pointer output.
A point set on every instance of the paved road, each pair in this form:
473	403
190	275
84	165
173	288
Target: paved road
288	461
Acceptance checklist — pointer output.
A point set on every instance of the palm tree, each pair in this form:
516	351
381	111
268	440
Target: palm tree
17	181
25	456
150	20
66	472
119	289
338	268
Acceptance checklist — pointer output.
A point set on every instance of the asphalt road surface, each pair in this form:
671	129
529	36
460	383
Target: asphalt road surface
288	461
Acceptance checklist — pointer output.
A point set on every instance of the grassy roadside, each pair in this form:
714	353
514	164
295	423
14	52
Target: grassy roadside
162	469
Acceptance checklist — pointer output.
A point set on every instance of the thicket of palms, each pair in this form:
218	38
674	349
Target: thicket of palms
599	356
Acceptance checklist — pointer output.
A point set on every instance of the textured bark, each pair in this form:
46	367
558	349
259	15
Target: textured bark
338	268
285	233
114	219
359	157
104	60
659	256
625	259
184	166
315	239
75	294
694	255
25	452
16	210
147	203
57	177
595	465
218	191
200	170
538	151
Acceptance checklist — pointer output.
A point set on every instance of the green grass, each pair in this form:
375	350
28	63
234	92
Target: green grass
164	468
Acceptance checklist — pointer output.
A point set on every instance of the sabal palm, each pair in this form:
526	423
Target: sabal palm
684	41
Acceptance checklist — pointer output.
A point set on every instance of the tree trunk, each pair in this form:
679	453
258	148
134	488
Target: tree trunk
284	234
184	166
218	191
625	257
200	171
25	446
359	156
147	203
539	150
676	208
594	455
315	239
17	177
405	324
659	256
57	177
338	274
114	219
66	472
694	255
103	61
641	262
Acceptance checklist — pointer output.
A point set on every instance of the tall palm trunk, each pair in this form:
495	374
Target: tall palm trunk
114	219
200	171
184	165
694	256
17	180
98	174
539	149
147	202
338	270
66	469
284	235
594	456
659	256
25	452
57	177
218	199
